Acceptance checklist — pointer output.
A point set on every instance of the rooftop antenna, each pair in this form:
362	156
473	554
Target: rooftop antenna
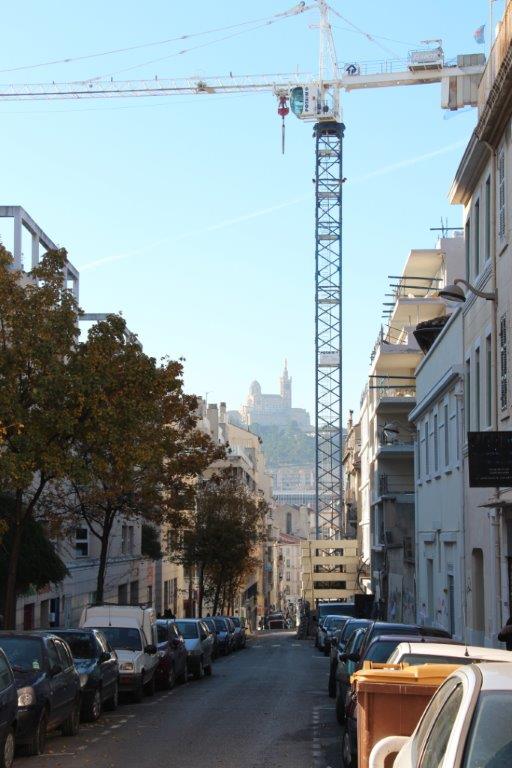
444	228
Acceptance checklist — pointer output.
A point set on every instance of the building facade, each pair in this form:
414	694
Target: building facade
274	410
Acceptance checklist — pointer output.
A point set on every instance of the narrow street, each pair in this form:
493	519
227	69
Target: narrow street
264	707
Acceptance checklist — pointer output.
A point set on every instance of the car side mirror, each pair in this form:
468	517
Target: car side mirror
353	657
104	656
176	642
151	649
55	670
334	642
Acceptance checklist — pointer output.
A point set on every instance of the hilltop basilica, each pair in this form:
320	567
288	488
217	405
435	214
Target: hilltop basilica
274	410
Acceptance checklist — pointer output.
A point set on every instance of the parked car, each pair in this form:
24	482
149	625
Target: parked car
326	632
378	650
330	609
210	623
232	633
48	687
240	636
397	628
131	631
8	712
276	621
172	655
344	669
467	723
338	643
223	635
199	644
98	667
443	653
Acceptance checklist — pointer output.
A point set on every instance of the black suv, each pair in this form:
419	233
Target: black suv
97	665
8	712
48	686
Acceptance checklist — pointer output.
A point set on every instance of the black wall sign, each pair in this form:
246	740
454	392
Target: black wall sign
490	459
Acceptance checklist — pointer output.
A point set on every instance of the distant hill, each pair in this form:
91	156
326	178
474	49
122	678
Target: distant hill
285	445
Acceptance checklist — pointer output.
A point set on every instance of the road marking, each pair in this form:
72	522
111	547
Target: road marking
278	645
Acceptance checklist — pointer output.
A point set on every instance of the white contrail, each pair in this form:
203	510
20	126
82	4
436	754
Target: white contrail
266	211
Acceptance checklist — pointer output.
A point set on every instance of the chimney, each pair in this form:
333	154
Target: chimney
213	417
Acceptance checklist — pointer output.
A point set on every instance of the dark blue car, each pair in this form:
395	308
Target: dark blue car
96	663
8	712
48	686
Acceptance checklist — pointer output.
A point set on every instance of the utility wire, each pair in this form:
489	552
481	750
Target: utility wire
376	37
71	59
369	37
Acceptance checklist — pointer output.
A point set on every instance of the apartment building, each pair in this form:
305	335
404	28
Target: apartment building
385	497
483	186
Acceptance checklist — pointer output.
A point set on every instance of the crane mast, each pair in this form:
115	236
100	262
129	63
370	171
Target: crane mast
313	99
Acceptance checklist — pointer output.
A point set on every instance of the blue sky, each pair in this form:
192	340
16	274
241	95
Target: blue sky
202	230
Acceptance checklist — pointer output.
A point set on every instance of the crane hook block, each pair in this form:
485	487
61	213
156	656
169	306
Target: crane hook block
283	109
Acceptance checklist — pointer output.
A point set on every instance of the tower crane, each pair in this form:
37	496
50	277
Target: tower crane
314	99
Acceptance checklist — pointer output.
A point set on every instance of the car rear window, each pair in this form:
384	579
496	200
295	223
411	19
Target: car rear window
419	658
220	624
81	644
188	629
381	651
24	653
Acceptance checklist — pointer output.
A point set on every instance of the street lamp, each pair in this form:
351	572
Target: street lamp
453	292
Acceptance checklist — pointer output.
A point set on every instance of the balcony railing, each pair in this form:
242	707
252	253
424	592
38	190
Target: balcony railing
395	484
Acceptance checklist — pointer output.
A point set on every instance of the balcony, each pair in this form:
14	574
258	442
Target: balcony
388	390
395	485
400	446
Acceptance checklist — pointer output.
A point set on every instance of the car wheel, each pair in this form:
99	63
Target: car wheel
7	750
138	693
347	754
93	711
170	680
340	710
112	703
71	724
182	678
38	741
149	688
199	670
208	670
332	686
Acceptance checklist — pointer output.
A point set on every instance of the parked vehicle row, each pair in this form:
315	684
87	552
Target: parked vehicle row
51	680
469	709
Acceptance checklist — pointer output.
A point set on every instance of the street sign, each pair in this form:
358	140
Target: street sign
490	459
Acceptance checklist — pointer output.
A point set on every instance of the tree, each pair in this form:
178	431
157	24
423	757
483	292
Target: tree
223	531
138	445
38	564
40	402
150	544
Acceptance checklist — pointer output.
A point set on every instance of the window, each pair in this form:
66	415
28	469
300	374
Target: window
488	381
418	455
467	237
436	444
446	437
150	594
124	539
487	233
122	594
503	363
53	656
65	659
131	539
427	456
439	736
166	594
82	542
134	592
477	389
467	399
476	254
288	522
501	194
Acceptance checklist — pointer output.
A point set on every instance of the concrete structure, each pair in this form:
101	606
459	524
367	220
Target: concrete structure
440	546
386	493
274	410
330	570
483	185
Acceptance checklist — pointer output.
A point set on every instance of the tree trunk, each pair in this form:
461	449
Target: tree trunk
102	567
12	573
217	595
190	611
200	590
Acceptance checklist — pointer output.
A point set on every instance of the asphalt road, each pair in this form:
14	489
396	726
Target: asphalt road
263	707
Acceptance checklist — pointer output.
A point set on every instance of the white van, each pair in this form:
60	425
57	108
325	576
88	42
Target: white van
131	631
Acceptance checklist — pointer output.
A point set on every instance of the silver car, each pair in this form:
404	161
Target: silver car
199	644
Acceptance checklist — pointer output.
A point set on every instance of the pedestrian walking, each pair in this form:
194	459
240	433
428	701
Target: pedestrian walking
505	636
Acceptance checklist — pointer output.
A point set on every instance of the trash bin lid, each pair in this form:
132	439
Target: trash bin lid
399	674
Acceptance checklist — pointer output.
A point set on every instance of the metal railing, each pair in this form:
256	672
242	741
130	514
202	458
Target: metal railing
395	484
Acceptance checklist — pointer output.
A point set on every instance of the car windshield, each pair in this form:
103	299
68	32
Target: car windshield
349	627
236	621
336	623
380	651
81	644
220	624
188	629
123	638
489	743
24	653
430	658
